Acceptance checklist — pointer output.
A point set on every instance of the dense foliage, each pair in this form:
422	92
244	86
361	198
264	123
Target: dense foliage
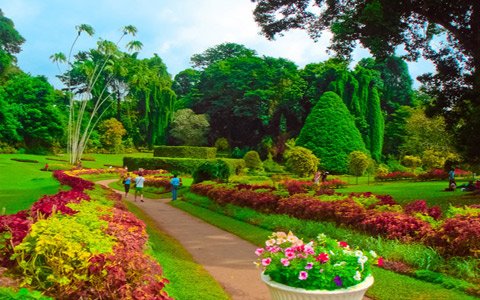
331	134
382	26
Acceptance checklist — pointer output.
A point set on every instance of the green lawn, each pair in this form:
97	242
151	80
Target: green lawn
406	191
23	183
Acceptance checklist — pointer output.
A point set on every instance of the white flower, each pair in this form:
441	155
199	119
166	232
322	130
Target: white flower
340	264
373	254
362	260
358	253
270	242
321	237
358	276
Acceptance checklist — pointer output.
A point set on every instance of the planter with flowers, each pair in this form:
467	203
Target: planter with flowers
321	269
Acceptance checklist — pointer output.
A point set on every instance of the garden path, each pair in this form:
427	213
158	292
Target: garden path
225	256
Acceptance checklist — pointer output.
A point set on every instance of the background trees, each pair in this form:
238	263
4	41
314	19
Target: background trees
382	26
189	128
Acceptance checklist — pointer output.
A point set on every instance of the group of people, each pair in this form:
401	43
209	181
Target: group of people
139	181
466	187
319	175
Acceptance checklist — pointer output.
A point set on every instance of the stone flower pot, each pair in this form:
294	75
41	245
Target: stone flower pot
280	291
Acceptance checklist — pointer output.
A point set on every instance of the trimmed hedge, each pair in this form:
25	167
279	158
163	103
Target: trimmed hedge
180	165
185	152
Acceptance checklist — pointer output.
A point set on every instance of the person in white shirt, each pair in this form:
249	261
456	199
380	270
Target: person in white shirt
139	180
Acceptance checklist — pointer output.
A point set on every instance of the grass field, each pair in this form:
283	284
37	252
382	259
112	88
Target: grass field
406	191
23	183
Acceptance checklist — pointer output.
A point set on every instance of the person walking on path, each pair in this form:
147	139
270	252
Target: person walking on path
175	184
126	183
139	181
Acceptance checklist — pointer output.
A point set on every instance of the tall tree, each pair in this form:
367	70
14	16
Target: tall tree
185	86
33	103
383	25
87	86
10	42
253	93
331	134
219	53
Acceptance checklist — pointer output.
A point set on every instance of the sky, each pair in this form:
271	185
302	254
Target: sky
173	29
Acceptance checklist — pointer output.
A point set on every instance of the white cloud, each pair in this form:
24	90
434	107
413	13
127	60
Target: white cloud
174	29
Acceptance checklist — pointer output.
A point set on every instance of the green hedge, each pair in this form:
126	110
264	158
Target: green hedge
185	152
179	165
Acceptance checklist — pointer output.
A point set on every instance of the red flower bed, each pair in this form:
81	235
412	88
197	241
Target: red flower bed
435	174
395	226
76	183
296	186
420	206
13	228
243	186
46	205
458	236
396	176
333	184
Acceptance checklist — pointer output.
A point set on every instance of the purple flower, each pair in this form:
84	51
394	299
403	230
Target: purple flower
338	281
309	266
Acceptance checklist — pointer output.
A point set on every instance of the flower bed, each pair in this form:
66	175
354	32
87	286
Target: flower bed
72	247
376	215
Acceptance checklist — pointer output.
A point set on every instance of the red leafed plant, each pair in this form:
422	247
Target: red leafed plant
297	186
13	228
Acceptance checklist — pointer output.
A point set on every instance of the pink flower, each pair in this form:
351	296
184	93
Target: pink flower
290	254
285	262
322	257
343	244
303	275
266	261
309	266
259	251
380	262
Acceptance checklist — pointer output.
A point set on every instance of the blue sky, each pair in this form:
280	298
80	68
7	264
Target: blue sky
175	30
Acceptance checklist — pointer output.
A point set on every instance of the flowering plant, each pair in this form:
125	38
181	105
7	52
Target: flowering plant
322	264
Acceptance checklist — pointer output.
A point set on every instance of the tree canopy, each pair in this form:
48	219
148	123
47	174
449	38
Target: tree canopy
383	25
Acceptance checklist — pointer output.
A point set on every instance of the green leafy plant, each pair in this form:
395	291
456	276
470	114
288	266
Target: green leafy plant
301	161
212	170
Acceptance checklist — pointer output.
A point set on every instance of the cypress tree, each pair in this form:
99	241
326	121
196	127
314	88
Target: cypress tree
331	134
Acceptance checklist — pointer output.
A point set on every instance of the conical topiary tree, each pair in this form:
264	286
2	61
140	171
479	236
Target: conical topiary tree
331	134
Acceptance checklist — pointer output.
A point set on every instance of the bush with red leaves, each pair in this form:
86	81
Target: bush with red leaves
458	236
13	228
395	226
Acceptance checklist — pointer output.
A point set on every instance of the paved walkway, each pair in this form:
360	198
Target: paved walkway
225	256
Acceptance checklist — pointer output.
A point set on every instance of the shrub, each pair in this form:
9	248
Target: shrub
272	166
25	160
301	161
412	161
179	165
358	163
211	170
434	174
330	133
222	144
252	160
185	152
397	175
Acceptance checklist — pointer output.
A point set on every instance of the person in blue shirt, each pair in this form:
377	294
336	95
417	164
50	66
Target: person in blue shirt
175	183
126	183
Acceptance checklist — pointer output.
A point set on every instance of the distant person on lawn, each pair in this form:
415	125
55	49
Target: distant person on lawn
316	178
126	183
175	183
139	181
